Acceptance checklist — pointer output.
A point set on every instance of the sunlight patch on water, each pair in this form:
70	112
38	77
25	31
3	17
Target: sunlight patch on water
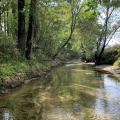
7	115
67	65
83	86
79	70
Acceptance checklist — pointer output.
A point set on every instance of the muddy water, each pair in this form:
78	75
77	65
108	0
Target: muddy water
72	92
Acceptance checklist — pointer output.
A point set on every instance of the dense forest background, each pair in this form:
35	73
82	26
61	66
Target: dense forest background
34	32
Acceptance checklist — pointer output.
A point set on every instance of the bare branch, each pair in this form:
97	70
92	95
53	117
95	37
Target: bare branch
112	34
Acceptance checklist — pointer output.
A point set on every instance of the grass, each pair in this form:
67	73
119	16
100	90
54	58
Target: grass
8	70
12	69
117	62
12	66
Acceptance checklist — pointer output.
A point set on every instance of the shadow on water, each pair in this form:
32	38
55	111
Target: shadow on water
71	92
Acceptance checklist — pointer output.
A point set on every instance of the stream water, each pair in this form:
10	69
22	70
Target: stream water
71	92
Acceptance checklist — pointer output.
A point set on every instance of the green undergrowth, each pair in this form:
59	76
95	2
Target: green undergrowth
14	67
9	70
117	62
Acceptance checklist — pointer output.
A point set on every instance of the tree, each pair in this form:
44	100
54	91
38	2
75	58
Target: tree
21	27
107	29
0	15
75	9
30	29
87	30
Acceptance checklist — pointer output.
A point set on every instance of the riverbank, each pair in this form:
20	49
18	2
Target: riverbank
113	70
110	69
68	92
14	74
27	72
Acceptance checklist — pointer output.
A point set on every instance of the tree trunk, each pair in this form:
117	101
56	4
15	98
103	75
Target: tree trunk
14	13
72	28
7	23
21	27
67	41
30	30
0	18
98	54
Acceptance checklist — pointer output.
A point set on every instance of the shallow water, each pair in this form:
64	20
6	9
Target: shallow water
72	92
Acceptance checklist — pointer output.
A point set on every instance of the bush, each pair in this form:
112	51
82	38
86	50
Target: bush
8	70
8	50
110	55
117	62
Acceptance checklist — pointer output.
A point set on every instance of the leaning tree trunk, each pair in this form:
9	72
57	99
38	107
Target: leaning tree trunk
21	27
30	30
72	28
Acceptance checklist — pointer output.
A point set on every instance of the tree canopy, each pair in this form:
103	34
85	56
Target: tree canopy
45	29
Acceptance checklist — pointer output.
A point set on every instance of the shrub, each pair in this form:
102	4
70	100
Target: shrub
8	50
110	55
8	70
117	62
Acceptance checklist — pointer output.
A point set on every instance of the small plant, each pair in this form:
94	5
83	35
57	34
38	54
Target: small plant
117	62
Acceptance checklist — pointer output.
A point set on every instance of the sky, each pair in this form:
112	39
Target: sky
115	40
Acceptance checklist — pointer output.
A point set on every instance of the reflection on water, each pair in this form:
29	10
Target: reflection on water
72	92
6	115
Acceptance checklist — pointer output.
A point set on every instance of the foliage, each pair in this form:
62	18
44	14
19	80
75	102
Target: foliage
71	28
117	62
8	50
111	54
20	68
9	70
108	26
